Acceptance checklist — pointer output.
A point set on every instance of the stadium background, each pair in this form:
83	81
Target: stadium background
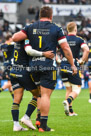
14	14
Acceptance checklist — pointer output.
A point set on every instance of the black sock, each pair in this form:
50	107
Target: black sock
12	94
70	99
43	121
70	109
38	114
31	107
1	90
90	95
15	112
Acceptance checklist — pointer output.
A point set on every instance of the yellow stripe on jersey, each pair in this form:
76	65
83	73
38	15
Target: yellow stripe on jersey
79	37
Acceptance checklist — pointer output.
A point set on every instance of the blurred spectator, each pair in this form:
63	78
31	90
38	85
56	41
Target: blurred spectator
31	10
86	77
83	1
55	1
27	22
66	1
46	1
6	26
80	15
37	13
88	23
1	14
71	2
1	31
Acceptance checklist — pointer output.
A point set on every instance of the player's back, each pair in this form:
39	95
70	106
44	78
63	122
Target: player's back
75	43
8	50
43	36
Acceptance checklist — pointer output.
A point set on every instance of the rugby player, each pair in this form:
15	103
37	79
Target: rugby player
20	79
7	49
44	36
73	83
89	66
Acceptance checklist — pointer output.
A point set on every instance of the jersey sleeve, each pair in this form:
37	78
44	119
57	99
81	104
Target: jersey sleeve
25	30
61	37
26	43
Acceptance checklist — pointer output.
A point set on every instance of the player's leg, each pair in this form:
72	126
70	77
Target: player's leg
47	85
67	106
30	109
29	85
38	112
44	107
89	84
10	88
76	89
68	91
18	93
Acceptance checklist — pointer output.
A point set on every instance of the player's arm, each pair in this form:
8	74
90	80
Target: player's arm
32	52
85	50
68	54
19	36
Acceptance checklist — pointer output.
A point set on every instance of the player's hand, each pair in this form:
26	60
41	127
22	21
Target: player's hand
74	69
80	61
49	54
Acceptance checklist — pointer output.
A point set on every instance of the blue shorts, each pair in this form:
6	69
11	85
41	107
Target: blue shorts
66	74
46	79
22	79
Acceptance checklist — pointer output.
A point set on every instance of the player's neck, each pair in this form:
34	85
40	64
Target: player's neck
46	19
72	33
7	42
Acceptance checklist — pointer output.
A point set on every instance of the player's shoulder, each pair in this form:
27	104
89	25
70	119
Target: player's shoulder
3	45
79	37
56	25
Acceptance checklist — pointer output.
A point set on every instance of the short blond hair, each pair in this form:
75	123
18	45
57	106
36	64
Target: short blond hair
71	26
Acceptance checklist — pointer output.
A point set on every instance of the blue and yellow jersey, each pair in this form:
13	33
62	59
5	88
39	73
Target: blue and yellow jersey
20	56
8	50
75	43
44	36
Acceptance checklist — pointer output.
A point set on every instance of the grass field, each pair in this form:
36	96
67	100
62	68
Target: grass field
63	125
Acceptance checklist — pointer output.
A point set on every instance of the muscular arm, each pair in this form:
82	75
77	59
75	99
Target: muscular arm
19	36
85	50
67	52
84	58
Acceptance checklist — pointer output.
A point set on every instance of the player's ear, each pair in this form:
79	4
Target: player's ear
51	18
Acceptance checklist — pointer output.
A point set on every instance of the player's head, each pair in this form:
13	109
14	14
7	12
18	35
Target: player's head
8	37
72	27
46	12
